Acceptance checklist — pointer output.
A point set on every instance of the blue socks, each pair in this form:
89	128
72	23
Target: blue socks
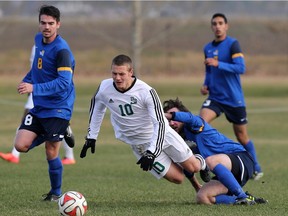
55	174
227	178
251	149
225	199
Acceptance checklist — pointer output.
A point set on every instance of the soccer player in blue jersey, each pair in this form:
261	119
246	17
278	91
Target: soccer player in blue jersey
228	160
224	63
68	142
51	82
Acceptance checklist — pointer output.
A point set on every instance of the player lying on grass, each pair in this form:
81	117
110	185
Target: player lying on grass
232	165
138	120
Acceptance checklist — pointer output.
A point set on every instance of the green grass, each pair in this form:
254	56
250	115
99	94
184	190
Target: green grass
111	181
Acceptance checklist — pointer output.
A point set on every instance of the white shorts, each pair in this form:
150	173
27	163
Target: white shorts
174	149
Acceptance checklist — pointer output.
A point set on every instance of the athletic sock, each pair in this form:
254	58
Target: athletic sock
15	153
225	199
68	151
251	149
228	180
55	174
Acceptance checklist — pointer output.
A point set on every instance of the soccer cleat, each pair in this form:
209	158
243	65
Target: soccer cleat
205	174
50	197
249	200
258	200
69	137
257	175
68	161
9	157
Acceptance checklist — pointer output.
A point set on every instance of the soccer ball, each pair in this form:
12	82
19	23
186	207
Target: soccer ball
72	203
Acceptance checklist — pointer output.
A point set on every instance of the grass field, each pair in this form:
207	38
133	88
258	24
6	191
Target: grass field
111	181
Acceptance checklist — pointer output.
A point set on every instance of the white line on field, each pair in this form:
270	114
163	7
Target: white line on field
81	109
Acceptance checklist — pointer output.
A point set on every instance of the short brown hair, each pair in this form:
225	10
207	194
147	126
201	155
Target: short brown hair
169	104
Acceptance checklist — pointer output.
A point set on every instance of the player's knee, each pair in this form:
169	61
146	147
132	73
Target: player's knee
21	148
210	161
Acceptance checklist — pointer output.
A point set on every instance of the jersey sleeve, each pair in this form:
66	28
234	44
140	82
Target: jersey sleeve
96	115
194	123
238	62
158	119
28	78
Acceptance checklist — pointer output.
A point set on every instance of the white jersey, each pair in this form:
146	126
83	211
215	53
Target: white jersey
32	55
136	114
29	104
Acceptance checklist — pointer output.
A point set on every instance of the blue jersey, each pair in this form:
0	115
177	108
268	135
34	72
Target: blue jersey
209	141
52	78
224	82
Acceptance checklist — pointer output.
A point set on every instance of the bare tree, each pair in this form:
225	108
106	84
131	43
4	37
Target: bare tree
137	35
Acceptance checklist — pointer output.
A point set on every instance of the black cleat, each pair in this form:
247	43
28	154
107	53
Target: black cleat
205	174
258	200
249	200
69	137
50	197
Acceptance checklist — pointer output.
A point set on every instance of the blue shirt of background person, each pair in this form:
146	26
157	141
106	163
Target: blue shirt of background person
231	64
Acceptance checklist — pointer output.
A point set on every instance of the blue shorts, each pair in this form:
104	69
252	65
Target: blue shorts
52	129
235	115
242	166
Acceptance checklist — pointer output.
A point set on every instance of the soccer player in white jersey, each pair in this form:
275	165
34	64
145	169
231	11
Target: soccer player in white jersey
138	120
14	155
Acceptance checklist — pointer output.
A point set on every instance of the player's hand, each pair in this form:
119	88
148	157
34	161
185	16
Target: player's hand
146	161
168	116
204	90
24	88
89	143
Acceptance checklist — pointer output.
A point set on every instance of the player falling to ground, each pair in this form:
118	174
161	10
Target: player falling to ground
232	165
68	141
138	120
224	63
51	82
